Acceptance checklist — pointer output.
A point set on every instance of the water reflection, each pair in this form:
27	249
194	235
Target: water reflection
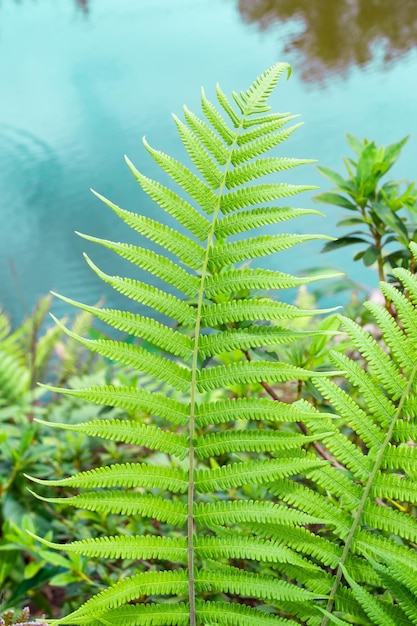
334	35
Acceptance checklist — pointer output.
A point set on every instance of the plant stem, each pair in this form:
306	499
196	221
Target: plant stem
193	394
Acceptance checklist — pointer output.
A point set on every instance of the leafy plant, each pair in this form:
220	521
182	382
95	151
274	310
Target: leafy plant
251	525
384	213
227	160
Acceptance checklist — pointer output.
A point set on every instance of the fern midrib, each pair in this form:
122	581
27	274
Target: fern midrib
365	495
194	373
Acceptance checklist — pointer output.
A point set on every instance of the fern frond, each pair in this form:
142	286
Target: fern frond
218	443
126	547
248	278
190	183
250	372
265	128
146	328
405	309
156	264
262	145
233	546
126	503
348	409
198	155
377	401
150	296
132	432
239	511
253	472
260	167
125	475
403	350
143	615
253	310
206	136
380	362
224	315
255	409
259	194
234	614
222	254
232	580
132	399
164	369
147	583
244	221
251	337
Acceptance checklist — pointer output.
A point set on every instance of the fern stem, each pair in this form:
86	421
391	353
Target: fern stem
365	497
194	368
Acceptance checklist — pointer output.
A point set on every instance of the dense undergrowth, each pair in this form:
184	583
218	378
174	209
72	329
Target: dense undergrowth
331	456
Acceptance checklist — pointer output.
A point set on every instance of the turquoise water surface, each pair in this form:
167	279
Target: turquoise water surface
82	82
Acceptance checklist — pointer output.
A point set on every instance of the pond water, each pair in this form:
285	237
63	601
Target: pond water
83	81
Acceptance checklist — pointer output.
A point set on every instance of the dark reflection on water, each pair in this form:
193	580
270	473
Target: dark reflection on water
338	34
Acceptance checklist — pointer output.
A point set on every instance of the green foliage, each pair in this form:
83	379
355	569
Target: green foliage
384	214
267	504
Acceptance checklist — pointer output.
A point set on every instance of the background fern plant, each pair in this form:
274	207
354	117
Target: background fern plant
219	313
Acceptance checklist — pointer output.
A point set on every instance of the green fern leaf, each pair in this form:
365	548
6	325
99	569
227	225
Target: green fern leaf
251	337
239	511
377	401
127	503
233	614
222	254
123	547
150	296
262	145
245	279
247	220
260	167
148	583
131	432
259	194
150	330
233	546
190	183
374	609
252	310
347	408
125	475
154	263
132	399
144	615
232	580
165	370
255	409
206	136
198	155
265	128
250	372
254	472
216	444
384	368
